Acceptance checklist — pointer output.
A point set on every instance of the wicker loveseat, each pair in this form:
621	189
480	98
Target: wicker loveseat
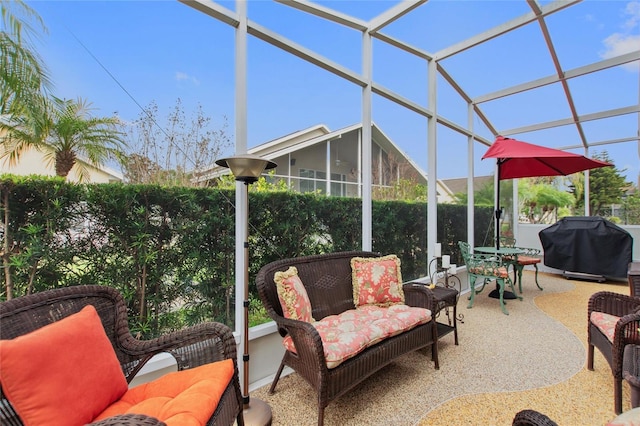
195	349
327	280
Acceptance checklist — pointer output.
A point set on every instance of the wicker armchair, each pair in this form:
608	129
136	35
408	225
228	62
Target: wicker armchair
633	274
488	268
626	314
631	372
532	418
191	347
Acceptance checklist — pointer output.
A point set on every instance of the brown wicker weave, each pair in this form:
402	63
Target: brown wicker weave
191	347
626	333
633	275
631	372
532	418
327	279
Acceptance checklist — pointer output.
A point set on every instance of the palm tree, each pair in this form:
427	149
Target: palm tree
64	130
23	76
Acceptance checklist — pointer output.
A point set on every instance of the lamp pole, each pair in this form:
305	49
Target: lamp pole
247	169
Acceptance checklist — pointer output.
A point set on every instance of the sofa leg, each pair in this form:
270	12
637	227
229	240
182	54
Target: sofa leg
277	377
434	345
590	357
617	394
320	414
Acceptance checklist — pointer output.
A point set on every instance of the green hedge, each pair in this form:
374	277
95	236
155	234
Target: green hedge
170	251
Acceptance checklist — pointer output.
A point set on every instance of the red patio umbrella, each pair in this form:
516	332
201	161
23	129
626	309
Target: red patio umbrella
517	159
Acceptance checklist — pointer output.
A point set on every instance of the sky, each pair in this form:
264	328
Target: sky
122	55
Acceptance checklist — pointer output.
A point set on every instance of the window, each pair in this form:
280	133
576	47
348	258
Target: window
314	180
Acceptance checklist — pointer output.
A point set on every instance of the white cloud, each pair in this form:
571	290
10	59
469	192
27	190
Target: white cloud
181	76
627	41
633	10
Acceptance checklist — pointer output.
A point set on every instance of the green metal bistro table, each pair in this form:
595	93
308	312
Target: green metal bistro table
503	251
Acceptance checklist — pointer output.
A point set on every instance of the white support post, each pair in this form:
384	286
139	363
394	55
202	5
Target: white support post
470	180
367	65
241	148
432	157
327	176
587	191
515	211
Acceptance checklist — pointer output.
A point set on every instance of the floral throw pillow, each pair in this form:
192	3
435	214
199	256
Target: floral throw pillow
377	280
293	296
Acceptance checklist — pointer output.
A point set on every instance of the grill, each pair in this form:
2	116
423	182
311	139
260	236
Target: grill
587	245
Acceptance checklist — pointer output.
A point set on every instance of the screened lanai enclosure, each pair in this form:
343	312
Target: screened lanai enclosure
441	81
524	69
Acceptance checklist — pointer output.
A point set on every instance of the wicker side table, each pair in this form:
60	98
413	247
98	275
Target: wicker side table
631	372
447	298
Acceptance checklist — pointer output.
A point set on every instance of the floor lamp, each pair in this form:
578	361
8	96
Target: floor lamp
247	169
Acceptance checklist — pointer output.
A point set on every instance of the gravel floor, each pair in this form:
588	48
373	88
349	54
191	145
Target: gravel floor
533	358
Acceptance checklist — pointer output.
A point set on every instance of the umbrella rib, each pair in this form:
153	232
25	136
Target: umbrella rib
552	167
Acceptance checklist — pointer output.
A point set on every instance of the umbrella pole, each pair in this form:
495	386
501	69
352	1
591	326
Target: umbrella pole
496	203
495	294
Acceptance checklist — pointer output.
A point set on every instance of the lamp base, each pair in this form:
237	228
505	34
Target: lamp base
257	413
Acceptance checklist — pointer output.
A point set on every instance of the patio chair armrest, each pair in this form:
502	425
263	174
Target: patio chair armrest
612	303
191	347
532	418
129	420
307	341
626	333
419	295
529	251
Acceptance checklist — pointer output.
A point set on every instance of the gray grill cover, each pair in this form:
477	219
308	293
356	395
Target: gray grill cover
587	244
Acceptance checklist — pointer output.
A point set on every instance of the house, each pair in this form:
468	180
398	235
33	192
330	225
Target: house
34	162
318	159
459	185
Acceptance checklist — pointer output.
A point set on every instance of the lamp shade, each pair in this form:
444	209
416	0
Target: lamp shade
246	168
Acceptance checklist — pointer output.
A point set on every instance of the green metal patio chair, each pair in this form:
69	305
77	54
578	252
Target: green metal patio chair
529	256
489	268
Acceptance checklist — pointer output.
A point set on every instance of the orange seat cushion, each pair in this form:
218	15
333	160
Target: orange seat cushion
528	260
64	373
181	398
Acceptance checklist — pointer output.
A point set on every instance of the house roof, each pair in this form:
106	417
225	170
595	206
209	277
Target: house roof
458	185
313	135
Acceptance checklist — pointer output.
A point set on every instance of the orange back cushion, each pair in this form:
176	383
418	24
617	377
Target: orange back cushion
64	373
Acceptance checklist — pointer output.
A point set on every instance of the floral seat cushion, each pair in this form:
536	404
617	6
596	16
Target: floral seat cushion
345	335
500	272
605	323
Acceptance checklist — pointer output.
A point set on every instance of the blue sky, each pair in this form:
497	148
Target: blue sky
164	50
